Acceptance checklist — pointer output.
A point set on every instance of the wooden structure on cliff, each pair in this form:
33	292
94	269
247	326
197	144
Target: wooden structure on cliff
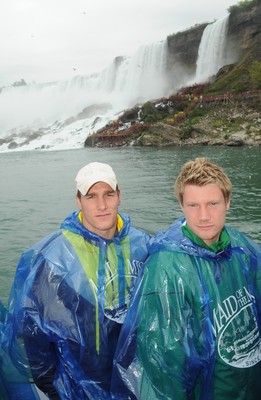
112	135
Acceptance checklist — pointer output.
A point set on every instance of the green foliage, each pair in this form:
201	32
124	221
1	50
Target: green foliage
197	112
191	121
188	30
186	132
148	108
227	124
243	77
181	106
255	74
151	114
217	123
244	4
194	117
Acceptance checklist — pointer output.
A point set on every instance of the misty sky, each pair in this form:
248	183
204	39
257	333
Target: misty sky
45	40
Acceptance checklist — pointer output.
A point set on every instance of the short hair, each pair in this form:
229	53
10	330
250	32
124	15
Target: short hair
201	172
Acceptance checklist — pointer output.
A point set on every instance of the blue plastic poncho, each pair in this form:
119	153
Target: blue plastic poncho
13	385
69	298
193	329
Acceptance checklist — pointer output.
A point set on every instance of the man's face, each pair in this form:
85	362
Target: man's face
99	209
205	210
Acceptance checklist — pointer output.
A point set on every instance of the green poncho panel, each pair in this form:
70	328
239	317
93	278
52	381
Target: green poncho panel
193	330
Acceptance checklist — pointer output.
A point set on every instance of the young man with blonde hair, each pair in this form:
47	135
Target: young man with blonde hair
193	330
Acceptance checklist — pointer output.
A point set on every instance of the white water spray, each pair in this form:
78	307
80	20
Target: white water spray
212	50
60	115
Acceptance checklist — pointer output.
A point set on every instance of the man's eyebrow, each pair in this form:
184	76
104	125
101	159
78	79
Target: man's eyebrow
105	192
110	191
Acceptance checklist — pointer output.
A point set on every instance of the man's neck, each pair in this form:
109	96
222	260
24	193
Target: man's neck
216	247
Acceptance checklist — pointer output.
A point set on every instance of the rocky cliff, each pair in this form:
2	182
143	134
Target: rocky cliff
244	32
183	48
244	26
225	111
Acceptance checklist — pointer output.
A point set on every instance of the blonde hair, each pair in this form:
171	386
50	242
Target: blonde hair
202	172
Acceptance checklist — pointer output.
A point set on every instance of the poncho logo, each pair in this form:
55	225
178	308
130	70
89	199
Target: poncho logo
116	303
237	331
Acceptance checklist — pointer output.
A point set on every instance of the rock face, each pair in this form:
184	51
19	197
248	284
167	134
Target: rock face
234	121
216	114
244	26
183	48
243	33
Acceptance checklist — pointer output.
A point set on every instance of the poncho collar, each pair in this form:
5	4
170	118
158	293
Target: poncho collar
224	240
73	224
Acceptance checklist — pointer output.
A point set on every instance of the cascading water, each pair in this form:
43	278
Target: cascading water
212	54
60	115
143	76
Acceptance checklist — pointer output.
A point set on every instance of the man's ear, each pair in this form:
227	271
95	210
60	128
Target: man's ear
228	204
78	201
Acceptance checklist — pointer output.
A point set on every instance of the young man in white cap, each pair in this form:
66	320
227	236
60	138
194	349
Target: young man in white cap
71	293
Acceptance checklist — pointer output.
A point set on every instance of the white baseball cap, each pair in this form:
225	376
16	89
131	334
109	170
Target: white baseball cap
93	173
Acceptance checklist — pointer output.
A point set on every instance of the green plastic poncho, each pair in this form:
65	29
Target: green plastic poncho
193	329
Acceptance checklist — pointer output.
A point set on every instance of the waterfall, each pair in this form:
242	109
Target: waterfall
143	76
59	115
212	54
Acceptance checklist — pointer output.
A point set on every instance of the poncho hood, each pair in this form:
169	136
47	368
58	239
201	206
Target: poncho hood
173	239
73	224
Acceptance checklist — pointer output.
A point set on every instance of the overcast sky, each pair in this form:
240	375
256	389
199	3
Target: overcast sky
44	40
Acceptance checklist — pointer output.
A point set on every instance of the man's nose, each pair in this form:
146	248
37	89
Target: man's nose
204	213
102	205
